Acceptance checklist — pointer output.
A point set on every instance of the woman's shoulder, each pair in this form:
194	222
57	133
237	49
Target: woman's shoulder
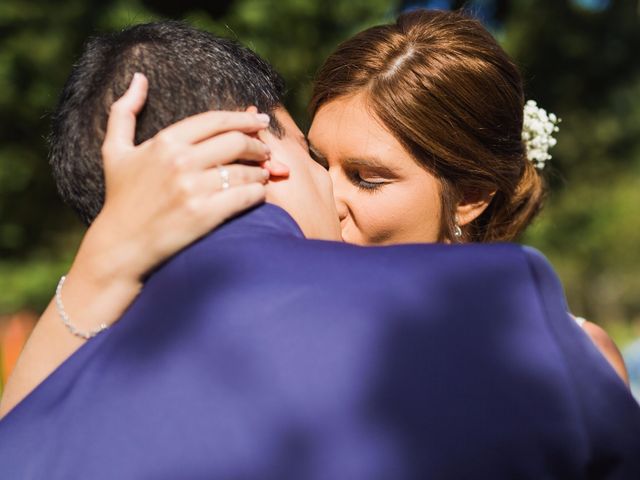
606	345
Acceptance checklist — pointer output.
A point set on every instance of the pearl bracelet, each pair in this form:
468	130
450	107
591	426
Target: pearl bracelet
67	321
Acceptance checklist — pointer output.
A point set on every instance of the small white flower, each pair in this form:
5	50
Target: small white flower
538	127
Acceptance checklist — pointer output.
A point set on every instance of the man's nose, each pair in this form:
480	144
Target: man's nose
339	194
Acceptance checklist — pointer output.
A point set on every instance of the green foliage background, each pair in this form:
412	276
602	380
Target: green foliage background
581	64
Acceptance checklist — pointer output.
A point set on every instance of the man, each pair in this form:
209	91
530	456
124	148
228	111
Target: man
256	353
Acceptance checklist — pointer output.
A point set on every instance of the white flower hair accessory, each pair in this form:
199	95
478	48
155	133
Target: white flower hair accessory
537	133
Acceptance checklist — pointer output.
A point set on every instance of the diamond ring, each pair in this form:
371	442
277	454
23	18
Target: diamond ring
224	177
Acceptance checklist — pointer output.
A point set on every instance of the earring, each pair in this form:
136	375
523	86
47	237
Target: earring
457	231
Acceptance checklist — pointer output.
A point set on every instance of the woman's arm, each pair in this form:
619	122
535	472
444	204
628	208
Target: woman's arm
160	196
608	348
91	297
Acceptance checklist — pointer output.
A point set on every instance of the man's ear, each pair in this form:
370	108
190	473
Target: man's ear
472	205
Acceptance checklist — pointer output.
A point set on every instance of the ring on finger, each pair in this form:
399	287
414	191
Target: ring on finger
224	177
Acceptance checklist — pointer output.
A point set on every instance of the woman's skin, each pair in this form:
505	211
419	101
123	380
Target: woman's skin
373	178
382	196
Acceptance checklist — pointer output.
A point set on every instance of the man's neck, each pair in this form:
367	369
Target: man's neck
313	226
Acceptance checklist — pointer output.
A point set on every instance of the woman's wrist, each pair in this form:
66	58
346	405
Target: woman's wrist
90	301
108	257
104	278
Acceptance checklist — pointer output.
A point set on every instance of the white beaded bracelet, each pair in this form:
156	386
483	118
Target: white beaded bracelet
67	321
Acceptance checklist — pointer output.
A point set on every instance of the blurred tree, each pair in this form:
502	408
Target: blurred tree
296	35
491	12
34	57
578	63
173	9
39	41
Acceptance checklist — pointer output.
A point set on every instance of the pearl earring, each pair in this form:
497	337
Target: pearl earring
457	231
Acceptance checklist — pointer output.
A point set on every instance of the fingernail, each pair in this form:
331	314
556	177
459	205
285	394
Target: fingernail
136	78
263	118
265	174
267	149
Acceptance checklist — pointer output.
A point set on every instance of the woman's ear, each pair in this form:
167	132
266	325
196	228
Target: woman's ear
472	205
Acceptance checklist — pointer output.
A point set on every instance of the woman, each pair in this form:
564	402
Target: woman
421	135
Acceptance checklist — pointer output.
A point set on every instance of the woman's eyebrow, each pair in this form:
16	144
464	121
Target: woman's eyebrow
367	162
374	163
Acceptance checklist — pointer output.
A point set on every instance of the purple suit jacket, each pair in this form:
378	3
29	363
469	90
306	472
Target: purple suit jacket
257	354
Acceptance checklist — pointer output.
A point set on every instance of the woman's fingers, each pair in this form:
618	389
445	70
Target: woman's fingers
277	169
121	125
228	177
224	205
205	125
227	148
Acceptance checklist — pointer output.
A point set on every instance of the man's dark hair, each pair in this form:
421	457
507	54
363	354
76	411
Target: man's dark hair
189	72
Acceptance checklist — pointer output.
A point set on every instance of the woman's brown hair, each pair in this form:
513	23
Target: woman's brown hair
441	84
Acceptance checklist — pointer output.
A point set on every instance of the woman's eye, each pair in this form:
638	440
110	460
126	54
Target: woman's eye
363	184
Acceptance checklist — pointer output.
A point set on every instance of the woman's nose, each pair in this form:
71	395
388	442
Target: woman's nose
339	194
